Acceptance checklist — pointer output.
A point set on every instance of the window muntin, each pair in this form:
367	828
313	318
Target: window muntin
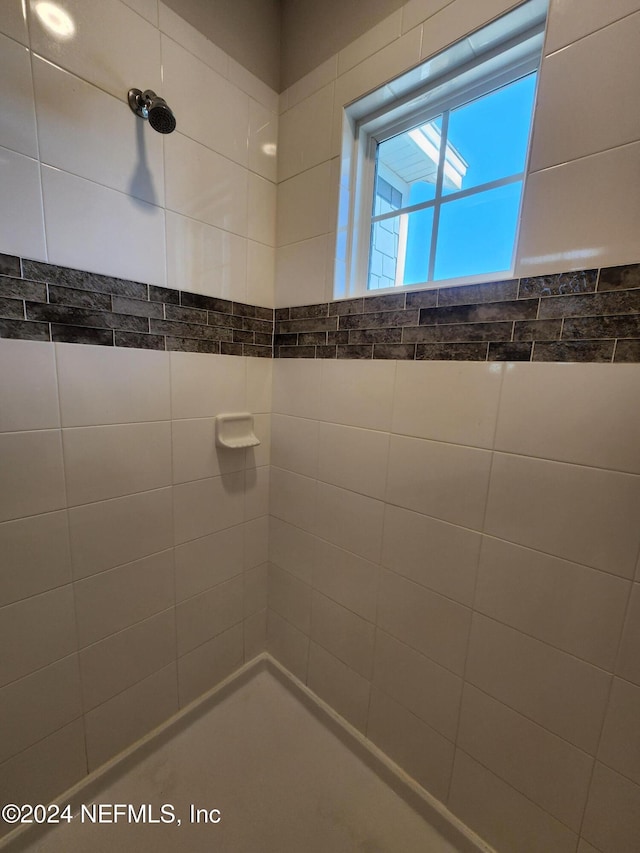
447	191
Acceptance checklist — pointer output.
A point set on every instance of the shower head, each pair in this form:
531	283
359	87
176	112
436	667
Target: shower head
154	108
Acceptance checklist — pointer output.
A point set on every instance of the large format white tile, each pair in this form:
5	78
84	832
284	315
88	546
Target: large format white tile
620	742
576	609
295	444
77	240
416	11
355	459
21	216
575	113
628	665
110	45
580	214
346	578
431	624
110	385
18	130
31	472
259	384
303	205
350	520
304	134
447	401
346	691
291	548
206	562
263	140
13	22
543	767
28	386
447	481
118	150
147	8
206	506
194	41
293	499
208	614
111	601
256	542
295	387
290	598
261	219
204	185
38	631
558	691
35	556
612	816
204	259
199	96
256	492
261	270
570	20
195	453
433	553
203	386
357	393
109	533
501	815
254	87
111	461
339	631
582	514
202	668
370	42
301	270
582	413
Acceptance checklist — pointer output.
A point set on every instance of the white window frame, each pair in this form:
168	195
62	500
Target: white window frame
462	73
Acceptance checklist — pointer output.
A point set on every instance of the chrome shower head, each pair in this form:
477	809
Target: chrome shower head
150	106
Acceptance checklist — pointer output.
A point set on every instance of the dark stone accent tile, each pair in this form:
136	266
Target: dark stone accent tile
230	349
12	309
537	330
264	313
473	294
296	352
602	327
285	340
164	294
265	340
561	284
225	320
359	351
510	351
346	306
619	278
422	299
319	324
81	280
405	352
206	303
311	339
81	335
627	351
375	336
380	320
139	341
24	330
390	302
338	337
452	352
458	332
481	313
137	307
252	324
591	305
84	317
189	330
241	309
81	298
35	291
177	344
329	351
573	351
257	352
185	315
242	337
9	265
297	312
281	314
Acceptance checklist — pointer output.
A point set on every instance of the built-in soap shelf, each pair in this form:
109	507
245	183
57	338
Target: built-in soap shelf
235	431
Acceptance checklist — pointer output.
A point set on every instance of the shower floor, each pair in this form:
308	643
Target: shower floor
282	781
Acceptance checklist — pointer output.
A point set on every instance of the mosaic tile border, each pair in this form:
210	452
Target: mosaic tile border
43	302
589	315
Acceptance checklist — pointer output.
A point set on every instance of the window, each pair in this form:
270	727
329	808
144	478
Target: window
434	164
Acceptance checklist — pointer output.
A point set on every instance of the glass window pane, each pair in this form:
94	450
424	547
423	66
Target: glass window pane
407	168
400	248
488	137
476	234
